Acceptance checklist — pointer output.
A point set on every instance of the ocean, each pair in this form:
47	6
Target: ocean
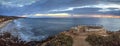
33	29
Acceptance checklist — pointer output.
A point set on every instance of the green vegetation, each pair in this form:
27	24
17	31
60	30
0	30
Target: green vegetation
98	40
6	39
6	18
61	40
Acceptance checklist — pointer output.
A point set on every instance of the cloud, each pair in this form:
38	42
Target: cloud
109	9
17	3
24	7
68	9
105	7
88	11
113	9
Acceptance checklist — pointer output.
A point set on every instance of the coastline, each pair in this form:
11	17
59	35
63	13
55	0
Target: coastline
3	24
75	36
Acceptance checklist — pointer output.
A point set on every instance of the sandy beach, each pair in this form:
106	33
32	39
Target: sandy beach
5	23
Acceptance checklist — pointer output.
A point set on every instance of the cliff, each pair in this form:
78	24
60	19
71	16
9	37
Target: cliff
72	37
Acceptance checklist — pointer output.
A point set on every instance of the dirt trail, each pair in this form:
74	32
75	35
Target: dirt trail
79	40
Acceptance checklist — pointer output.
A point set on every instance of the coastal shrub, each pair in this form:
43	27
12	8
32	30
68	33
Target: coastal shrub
61	40
95	40
6	39
98	40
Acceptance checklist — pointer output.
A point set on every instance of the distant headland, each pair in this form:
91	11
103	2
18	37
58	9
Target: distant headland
6	18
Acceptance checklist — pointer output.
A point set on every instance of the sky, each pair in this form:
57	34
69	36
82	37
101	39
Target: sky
59	8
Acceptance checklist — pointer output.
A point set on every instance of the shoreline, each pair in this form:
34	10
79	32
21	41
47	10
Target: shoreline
3	24
75	36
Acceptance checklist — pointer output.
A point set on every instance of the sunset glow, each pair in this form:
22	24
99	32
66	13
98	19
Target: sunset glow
53	15
65	15
105	16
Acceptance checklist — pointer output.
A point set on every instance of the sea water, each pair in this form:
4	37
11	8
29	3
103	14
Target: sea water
34	29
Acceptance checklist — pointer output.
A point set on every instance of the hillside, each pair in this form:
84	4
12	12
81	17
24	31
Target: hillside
6	18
